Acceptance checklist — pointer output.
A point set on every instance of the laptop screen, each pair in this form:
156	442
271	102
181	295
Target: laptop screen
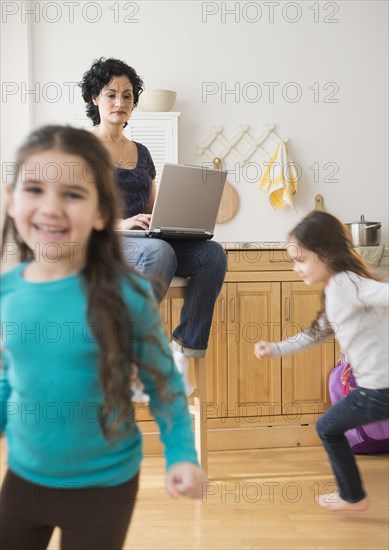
188	197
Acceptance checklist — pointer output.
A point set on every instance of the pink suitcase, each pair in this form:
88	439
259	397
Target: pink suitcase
372	438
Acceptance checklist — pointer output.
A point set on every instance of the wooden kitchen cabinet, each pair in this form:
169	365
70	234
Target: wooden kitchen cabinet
253	314
252	403
170	310
305	374
216	354
167	309
262	301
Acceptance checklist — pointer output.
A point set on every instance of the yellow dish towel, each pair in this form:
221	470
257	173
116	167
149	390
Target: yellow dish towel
280	179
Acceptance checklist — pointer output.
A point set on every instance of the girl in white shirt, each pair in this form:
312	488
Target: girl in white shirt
355	310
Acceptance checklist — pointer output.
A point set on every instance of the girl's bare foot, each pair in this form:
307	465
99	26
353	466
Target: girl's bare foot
334	503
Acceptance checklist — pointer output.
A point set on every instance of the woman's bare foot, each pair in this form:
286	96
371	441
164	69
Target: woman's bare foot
334	503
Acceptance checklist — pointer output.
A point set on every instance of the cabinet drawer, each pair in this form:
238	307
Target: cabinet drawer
259	260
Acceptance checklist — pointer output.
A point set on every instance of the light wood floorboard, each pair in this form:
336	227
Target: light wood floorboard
259	499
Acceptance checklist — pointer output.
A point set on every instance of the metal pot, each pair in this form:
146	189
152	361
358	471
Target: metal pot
364	233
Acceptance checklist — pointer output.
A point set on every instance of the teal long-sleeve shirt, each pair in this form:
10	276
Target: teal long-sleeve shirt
51	391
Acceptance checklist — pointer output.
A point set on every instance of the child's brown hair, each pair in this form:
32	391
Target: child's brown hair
102	274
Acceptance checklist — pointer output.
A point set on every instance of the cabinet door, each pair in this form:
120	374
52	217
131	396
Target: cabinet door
215	361
254	386
305	374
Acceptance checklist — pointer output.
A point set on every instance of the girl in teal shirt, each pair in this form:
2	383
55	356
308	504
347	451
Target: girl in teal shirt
75	321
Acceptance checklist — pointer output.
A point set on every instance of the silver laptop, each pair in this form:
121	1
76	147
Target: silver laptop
186	205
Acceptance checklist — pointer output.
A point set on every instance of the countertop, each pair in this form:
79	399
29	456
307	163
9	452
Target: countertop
274	245
382	270
258	245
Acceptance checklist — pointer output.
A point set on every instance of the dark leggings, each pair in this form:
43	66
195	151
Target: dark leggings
90	518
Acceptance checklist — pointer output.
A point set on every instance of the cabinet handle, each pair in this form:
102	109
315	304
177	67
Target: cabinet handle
223	310
166	311
233	310
287	301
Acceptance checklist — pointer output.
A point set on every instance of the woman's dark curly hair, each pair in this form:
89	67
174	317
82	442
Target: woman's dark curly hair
101	74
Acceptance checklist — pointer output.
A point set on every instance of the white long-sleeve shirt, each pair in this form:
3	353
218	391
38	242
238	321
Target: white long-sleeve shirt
356	312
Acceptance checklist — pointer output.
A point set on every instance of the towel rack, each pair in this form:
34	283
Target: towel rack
242	133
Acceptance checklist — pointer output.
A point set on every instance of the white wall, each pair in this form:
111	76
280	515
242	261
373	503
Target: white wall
194	46
15	114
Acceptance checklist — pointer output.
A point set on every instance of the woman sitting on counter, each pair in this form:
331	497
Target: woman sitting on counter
111	90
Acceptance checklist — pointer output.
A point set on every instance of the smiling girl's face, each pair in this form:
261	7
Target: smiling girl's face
308	265
54	205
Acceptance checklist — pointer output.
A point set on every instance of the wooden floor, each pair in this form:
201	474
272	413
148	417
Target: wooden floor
262	499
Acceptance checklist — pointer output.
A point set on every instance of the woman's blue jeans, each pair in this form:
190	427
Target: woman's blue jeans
203	261
362	406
